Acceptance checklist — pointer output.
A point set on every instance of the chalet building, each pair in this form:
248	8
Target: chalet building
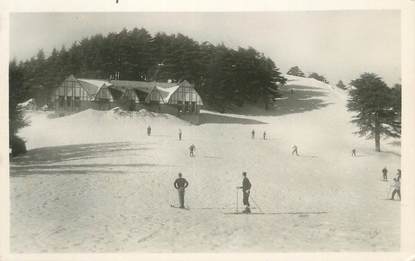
74	95
174	98
180	99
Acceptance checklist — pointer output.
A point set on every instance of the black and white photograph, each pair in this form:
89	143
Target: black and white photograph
205	132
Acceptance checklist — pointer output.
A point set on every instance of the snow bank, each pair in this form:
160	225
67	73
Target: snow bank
91	126
28	105
307	82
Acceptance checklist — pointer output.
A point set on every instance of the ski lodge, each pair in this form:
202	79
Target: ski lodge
76	94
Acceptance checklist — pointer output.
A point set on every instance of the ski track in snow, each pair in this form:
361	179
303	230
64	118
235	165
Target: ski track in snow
95	182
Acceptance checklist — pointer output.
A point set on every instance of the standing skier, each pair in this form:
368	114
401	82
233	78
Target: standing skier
148	130
180	134
253	134
398	175
192	149
353	152
264	135
246	189
385	174
181	184
295	150
396	185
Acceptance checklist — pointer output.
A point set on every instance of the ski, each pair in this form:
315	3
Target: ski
186	208
243	213
276	213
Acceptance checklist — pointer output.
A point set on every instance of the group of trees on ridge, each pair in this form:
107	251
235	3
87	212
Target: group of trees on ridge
296	71
221	75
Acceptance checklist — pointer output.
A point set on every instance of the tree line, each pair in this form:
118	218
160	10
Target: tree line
296	71
223	76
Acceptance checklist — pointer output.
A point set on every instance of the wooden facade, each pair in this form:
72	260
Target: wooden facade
71	96
80	94
186	99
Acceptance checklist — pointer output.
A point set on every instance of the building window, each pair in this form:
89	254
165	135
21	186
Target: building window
69	101
77	102
61	101
186	106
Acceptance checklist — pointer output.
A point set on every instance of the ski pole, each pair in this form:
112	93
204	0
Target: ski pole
237	200
389	191
256	204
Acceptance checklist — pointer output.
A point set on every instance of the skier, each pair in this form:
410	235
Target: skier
385	174
246	189
292	91
148	130
180	134
398	175
295	150
192	149
181	184
264	135
396	185
253	134
353	152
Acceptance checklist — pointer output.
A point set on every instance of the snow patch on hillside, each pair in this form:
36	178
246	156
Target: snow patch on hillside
308	82
92	126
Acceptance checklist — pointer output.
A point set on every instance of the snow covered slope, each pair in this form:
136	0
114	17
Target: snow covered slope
91	126
107	186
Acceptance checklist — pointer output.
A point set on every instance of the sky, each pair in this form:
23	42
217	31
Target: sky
340	45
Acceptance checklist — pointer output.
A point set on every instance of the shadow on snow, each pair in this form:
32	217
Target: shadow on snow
42	160
301	100
206	118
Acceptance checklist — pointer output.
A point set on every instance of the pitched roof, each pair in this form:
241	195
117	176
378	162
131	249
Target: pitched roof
146	87
167	92
165	89
92	86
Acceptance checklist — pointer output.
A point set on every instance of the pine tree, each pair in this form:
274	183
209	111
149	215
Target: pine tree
341	85
318	77
296	71
374	102
17	94
397	103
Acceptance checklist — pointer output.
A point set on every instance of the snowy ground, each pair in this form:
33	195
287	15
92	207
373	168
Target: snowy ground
95	182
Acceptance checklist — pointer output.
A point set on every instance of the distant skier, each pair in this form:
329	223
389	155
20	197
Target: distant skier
264	135
253	134
295	150
385	174
192	149
148	130
180	134
292	91
396	185
353	152
398	175
246	189
181	184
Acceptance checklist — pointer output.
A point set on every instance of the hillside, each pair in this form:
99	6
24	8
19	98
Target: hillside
105	186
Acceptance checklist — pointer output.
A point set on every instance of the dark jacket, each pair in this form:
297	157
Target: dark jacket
246	184
181	183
